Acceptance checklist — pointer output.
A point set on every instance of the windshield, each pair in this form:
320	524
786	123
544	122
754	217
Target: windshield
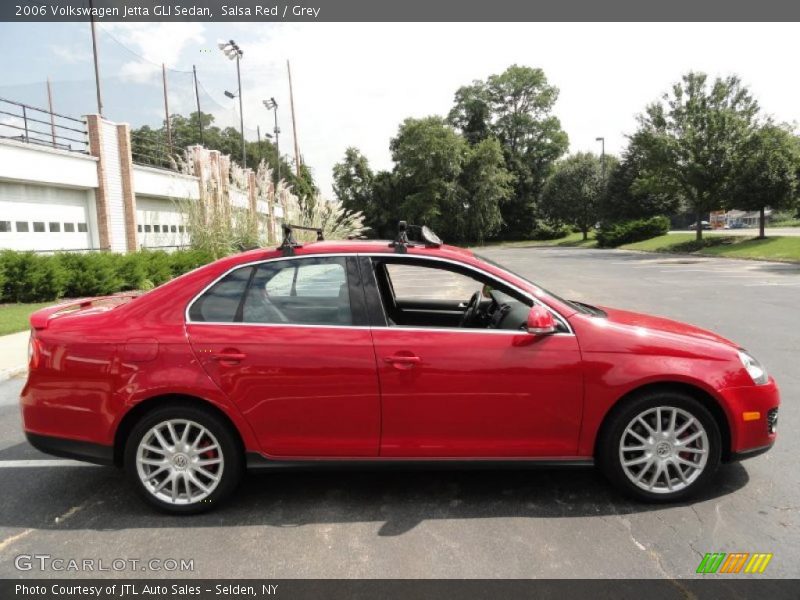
578	306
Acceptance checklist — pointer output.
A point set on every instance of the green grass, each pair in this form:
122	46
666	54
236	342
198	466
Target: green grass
573	240
14	317
784	223
779	248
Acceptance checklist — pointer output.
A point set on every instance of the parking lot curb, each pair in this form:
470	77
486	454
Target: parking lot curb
11	372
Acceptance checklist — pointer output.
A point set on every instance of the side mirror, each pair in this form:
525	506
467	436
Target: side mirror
540	321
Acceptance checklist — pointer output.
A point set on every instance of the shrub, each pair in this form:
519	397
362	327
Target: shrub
90	274
132	270
32	278
545	231
158	266
616	234
184	261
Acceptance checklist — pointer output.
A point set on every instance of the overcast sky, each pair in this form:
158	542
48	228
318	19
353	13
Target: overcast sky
355	83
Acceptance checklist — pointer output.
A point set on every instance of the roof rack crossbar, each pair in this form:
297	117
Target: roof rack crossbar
289	243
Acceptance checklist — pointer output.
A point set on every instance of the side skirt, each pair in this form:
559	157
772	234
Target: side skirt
256	461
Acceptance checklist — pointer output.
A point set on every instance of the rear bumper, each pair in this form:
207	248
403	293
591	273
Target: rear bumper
75	449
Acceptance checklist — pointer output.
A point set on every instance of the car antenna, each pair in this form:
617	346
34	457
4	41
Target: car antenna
289	243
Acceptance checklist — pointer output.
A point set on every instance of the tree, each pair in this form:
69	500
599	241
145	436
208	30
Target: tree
690	141
353	181
486	186
623	200
766	172
429	156
516	108
572	193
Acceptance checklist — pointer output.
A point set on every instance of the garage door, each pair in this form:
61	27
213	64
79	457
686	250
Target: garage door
160	223
34	217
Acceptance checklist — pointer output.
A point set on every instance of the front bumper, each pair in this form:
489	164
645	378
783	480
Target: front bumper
752	414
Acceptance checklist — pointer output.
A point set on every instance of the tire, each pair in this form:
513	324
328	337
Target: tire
183	459
685	460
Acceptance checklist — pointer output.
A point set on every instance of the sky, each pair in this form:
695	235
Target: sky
354	84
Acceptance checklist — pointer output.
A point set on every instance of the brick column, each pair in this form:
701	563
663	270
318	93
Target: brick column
94	126
128	194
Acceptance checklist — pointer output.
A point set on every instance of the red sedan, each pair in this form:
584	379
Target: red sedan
368	351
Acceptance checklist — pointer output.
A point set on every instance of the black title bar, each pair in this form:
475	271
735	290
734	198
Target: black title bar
399	11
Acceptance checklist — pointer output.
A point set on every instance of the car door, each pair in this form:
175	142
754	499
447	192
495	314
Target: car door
456	392
287	341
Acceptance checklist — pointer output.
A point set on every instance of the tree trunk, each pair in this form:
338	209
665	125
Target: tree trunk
761	219
585	234
698	227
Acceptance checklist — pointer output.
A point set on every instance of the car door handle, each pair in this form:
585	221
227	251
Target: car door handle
229	356
403	361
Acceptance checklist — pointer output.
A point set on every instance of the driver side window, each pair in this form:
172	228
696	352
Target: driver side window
428	294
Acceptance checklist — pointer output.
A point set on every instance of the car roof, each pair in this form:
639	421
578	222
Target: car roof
354	247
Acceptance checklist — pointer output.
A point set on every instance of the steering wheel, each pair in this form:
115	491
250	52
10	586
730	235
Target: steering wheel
471	311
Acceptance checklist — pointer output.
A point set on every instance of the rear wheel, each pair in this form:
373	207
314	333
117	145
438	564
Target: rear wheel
183	459
661	447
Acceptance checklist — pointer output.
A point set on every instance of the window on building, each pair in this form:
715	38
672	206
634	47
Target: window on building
173	228
139	228
69	227
82	227
23	227
55	227
156	228
181	228
5	226
38	226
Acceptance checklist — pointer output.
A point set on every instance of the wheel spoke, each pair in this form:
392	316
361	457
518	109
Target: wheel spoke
689	422
172	434
198	438
672	417
637	436
185	433
658	420
651	484
204	462
633	448
681	473
693	450
637	461
150	448
644	470
153	462
646	425
161	440
691	438
208	474
157	472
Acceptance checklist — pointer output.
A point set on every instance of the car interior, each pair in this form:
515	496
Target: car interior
417	293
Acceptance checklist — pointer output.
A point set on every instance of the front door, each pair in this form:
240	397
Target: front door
281	339
461	391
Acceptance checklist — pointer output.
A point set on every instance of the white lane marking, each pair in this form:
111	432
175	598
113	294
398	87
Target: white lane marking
25	464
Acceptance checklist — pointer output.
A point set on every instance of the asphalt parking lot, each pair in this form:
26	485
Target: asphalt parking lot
414	524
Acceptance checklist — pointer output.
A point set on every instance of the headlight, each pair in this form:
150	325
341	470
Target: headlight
757	372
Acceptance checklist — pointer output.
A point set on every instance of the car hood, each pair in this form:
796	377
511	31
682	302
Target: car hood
662	325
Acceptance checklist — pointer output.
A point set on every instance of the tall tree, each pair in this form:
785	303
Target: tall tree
515	107
486	185
572	193
624	200
353	181
690	141
429	156
766	172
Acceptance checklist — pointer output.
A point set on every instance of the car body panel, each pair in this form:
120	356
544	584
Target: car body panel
326	392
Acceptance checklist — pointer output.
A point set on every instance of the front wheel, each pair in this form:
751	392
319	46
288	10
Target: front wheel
661	447
183	459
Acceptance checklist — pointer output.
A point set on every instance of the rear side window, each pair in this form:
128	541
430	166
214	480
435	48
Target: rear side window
302	291
220	303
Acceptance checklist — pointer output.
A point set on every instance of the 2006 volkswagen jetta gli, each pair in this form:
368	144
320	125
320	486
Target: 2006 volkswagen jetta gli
383	352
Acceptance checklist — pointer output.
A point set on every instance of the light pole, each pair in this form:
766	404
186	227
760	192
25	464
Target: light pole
233	52
272	105
602	141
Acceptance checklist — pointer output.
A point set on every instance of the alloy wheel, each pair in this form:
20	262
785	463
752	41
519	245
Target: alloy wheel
664	449
179	461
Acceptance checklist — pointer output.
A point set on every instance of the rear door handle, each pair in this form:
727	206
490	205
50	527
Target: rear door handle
229	356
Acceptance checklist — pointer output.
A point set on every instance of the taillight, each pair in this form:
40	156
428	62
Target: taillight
33	351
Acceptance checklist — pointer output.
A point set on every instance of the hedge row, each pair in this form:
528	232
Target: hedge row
29	277
628	232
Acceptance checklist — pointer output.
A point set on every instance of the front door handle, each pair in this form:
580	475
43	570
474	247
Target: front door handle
402	362
229	356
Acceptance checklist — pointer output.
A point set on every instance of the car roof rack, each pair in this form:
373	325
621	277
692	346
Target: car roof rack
401	242
289	243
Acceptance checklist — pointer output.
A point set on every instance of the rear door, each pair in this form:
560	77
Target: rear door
287	341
